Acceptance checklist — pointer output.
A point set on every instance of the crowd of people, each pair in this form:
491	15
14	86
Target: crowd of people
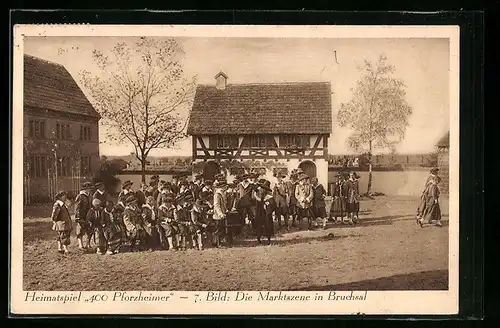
180	214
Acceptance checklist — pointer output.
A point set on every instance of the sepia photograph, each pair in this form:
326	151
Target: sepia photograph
236	162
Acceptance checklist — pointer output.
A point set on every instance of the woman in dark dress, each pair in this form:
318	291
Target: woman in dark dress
432	210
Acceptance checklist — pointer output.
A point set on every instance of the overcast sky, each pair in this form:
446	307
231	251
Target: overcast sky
423	64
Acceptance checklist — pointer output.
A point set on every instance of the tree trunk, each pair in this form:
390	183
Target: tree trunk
143	171
369	189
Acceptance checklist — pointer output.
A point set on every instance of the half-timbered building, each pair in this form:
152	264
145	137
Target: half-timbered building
271	126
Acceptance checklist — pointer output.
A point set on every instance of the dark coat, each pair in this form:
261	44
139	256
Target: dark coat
82	206
61	217
102	197
319	194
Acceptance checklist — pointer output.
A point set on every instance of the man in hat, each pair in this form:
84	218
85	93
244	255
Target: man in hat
175	184
183	217
352	198
318	203
220	211
292	200
112	228
126	190
246	205
133	222
94	216
82	206
281	197
100	192
338	204
198	185
142	193
265	206
62	222
150	221
168	222
304	195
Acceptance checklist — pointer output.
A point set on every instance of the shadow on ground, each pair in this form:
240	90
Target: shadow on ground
427	280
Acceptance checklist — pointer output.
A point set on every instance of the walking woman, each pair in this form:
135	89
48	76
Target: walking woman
431	211
62	222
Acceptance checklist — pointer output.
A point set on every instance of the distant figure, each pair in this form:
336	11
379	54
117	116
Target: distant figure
62	222
126	190
430	210
352	200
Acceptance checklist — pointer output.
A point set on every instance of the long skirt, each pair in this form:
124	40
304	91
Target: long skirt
265	226
432	212
64	237
304	212
319	211
338	207
113	235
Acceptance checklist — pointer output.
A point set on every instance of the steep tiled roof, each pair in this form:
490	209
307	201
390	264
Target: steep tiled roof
48	85
444	141
301	108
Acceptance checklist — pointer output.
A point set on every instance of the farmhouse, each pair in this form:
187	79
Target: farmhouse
268	127
61	131
443	149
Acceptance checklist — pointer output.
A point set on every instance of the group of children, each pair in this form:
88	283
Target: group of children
346	198
178	214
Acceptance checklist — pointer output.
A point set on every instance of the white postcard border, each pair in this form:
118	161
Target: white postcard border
377	302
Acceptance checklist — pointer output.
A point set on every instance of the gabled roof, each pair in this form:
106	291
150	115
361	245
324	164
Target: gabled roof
295	108
49	85
444	141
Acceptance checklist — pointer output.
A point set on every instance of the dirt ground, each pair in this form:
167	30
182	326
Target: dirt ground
386	250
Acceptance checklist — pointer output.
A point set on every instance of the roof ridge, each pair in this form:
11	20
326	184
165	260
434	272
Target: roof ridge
44	60
270	83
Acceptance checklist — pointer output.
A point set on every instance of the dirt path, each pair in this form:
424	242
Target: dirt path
386	250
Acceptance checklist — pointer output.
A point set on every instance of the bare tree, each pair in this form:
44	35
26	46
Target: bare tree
377	112
140	94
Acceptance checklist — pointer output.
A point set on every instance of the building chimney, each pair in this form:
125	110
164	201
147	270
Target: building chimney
221	81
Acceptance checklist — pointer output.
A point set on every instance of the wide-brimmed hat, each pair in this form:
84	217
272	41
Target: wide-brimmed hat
198	176
130	199
99	184
266	185
60	194
155	178
299	171
86	186
127	183
356	175
302	176
434	170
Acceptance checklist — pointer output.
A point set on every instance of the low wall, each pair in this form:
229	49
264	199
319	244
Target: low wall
392	183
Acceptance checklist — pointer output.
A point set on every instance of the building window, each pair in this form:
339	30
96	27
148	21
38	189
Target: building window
64	167
85	165
62	131
85	133
224	142
295	141
38	166
36	129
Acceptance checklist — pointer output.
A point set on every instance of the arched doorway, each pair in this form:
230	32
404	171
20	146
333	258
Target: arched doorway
210	170
309	168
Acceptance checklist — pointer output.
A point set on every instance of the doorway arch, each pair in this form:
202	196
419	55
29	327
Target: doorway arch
210	170
309	168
